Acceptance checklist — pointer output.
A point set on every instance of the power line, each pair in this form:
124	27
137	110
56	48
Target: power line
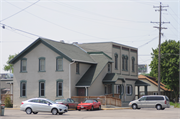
86	18
21	30
19	11
148	42
86	11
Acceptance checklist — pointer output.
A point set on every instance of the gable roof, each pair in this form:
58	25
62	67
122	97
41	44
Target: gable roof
68	51
93	72
153	80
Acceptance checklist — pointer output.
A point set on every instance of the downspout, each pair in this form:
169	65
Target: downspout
70	78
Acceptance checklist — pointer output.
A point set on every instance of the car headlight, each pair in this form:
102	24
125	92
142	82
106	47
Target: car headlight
130	103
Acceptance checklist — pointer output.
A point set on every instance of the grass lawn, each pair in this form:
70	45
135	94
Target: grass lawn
176	105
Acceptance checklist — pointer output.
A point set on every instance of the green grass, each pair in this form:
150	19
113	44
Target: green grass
176	105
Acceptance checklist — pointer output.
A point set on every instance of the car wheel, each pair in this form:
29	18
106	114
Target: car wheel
158	107
28	110
134	106
35	112
162	108
67	107
54	111
99	107
60	113
79	110
92	108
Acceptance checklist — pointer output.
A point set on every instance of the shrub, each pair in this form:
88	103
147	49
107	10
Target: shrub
7	101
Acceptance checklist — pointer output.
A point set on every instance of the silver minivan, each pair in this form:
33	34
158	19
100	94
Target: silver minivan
160	102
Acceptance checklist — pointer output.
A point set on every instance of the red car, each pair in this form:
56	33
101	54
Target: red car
89	104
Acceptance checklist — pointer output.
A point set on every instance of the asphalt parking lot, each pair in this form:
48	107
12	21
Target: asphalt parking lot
148	113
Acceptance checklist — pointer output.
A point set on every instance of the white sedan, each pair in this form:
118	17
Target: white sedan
35	105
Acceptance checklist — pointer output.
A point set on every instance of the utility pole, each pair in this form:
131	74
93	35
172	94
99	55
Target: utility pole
159	56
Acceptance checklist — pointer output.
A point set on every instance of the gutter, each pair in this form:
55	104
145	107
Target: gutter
70	78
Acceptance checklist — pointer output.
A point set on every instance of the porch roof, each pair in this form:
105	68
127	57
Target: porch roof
112	78
141	83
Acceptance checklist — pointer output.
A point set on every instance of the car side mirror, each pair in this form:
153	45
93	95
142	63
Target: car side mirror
49	104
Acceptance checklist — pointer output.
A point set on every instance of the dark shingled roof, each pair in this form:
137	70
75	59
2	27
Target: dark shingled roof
141	83
93	72
68	51
112	78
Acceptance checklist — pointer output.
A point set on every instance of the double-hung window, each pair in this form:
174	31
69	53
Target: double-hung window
23	88
23	65
42	64
41	88
129	89
109	67
59	63
59	87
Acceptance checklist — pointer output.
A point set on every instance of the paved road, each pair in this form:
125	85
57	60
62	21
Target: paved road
170	113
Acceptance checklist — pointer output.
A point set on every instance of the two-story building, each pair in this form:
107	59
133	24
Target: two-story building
55	70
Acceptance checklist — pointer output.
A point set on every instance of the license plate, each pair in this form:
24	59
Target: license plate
82	107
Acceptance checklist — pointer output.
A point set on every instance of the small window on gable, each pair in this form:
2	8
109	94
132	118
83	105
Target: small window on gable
42	64
59	64
24	65
116	60
77	68
23	88
109	67
133	64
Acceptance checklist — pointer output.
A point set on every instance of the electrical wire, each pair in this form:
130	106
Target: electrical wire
89	12
19	11
148	42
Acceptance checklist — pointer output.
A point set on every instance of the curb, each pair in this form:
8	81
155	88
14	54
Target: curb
115	108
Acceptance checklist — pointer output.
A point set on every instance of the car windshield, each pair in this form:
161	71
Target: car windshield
60	100
50	101
88	101
167	98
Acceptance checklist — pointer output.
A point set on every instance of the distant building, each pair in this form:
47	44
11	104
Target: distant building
6	80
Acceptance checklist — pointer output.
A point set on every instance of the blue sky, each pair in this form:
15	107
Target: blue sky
123	21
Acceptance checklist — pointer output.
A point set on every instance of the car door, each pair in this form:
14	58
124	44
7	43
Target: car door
142	102
70	103
44	106
151	102
73	103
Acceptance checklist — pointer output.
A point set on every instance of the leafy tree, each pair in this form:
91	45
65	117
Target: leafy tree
9	67
169	65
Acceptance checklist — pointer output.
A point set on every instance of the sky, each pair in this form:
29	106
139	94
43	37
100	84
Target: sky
126	22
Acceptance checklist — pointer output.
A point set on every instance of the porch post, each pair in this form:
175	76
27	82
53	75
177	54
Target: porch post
113	89
138	92
145	89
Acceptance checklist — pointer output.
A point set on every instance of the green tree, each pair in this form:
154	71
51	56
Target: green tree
169	65
9	67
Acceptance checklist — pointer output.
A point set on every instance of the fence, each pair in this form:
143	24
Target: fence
105	100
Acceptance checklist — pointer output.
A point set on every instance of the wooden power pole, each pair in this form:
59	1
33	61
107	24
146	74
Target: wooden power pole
159	55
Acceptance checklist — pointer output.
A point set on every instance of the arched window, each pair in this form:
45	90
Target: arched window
116	60
123	62
126	62
133	63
